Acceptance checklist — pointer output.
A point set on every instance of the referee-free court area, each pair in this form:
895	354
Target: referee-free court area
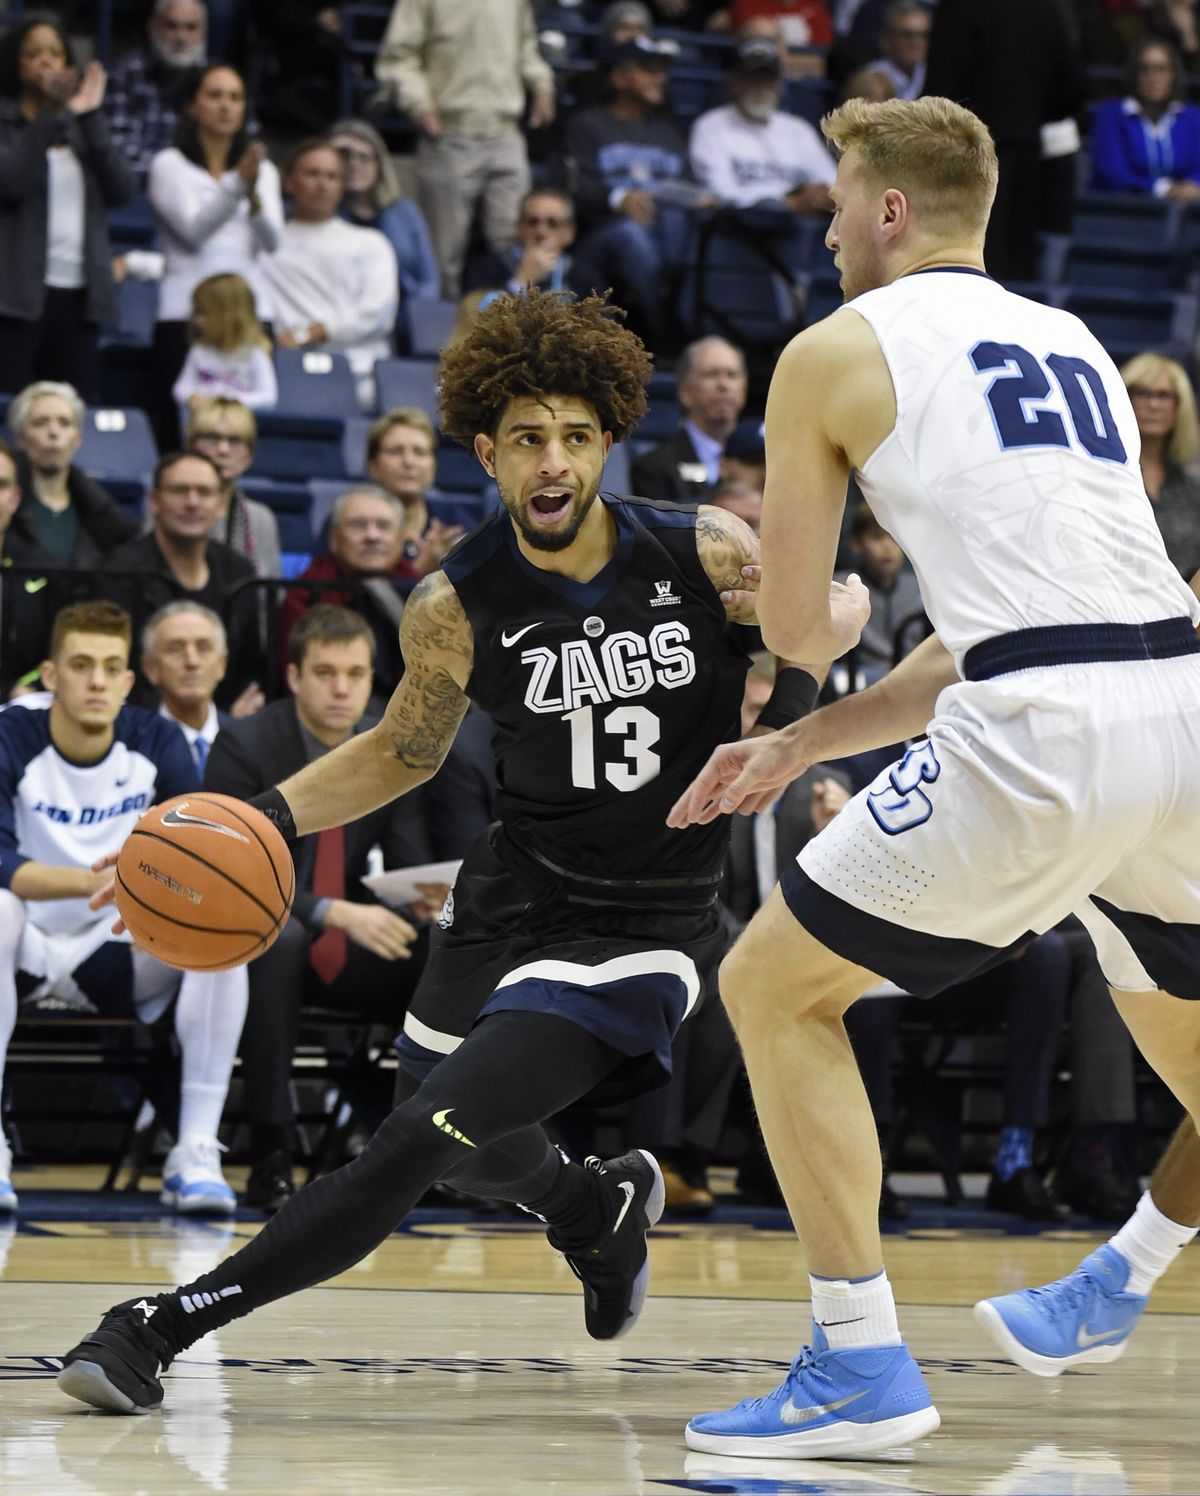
453	1361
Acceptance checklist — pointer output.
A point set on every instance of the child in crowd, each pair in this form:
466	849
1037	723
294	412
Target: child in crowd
230	353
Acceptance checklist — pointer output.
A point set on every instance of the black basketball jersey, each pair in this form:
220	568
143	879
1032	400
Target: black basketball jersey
608	696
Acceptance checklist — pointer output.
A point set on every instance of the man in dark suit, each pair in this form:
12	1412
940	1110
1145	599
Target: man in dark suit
339	948
184	656
711	384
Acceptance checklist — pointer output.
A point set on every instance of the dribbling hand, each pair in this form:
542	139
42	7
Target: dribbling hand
744	776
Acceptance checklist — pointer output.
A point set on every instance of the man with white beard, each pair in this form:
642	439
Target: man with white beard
145	88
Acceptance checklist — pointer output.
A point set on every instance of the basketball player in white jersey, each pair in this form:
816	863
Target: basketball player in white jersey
1060	696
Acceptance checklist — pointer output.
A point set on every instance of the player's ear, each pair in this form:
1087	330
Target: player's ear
608	441
895	211
293	677
485	450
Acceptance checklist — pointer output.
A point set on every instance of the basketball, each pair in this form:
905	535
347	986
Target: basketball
204	882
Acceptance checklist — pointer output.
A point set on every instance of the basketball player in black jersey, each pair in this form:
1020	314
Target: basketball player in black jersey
594	631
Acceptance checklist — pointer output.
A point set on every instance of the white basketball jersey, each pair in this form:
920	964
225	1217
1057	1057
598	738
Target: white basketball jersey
1011	477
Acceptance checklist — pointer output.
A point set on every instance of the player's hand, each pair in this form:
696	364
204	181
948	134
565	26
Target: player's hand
741	602
849	610
744	776
104	892
375	928
429	905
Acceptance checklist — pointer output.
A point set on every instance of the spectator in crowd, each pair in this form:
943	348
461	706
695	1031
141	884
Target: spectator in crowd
59	175
1149	141
65	517
905	43
149	86
365	555
373	200
335	286
402	460
1165	407
339	948
895	595
625	20
740	498
462	70
24	618
225	432
868	83
751	151
184	655
76	771
801	29
711	385
219	210
545	231
1016	63
303	53
230	353
744	459
178	559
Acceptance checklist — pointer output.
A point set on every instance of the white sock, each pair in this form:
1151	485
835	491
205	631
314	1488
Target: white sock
1149	1243
209	1015
850	1313
200	1109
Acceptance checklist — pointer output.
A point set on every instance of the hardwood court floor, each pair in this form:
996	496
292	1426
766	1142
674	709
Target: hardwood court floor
453	1361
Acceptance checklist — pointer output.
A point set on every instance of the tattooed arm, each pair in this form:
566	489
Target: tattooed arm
410	742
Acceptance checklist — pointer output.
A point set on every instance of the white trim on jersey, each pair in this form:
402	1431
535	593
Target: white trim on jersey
429	1038
636	964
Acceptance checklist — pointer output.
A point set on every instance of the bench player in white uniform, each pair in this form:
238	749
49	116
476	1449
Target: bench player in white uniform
77	768
1061	693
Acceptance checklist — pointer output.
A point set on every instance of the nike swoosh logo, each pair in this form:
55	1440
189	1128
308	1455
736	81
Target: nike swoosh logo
508	640
793	1415
35	584
178	817
1086	1338
829	1324
627	1190
439	1121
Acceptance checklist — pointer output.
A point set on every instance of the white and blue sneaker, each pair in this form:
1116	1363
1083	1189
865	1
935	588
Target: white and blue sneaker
832	1402
1085	1317
192	1180
8	1195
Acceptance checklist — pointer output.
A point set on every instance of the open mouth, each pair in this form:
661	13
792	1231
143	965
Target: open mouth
549	506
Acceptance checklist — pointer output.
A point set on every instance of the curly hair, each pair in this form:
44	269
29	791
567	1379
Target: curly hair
539	344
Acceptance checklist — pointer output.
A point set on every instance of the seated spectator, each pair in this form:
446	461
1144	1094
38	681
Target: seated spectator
751	151
742	499
184	657
339	948
633	187
77	768
1165	407
178	559
626	20
744	459
60	174
402	460
1149	141
219	210
225	432
895	595
230	353
905	43
366	555
24	621
373	200
65	517
149	86
798	27
464	72
334	285
545	231
870	84
711	376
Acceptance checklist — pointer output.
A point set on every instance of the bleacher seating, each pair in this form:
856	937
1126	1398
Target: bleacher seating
314	382
430	324
298	446
292	505
406	381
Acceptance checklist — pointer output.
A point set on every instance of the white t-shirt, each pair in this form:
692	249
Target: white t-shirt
65	220
744	162
207	229
245	374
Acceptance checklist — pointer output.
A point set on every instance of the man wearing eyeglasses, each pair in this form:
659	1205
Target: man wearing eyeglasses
545	231
178	559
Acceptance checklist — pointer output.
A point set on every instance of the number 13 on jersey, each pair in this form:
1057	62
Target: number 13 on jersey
637	763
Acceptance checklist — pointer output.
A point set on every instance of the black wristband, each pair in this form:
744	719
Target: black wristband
794	696
276	809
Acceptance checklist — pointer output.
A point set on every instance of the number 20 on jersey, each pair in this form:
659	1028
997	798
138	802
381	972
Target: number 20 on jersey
1028	410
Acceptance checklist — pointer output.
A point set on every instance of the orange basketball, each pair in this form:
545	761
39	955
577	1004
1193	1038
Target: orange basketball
204	882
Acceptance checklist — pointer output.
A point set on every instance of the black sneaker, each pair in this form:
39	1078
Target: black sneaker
117	1367
1025	1195
615	1270
270	1185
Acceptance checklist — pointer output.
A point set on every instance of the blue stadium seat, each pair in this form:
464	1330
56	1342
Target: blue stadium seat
660	420
354	446
616	469
117	443
132	226
292	506
810	98
430	324
1106	218
406	381
1129	322
137	311
313	382
823	296
323	492
1120	266
453	508
297	447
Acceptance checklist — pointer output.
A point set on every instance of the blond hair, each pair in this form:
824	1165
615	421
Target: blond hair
238	417
1185	434
937	153
227	304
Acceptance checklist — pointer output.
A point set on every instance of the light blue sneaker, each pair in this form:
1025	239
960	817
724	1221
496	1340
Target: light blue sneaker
1086	1316
192	1180
831	1403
